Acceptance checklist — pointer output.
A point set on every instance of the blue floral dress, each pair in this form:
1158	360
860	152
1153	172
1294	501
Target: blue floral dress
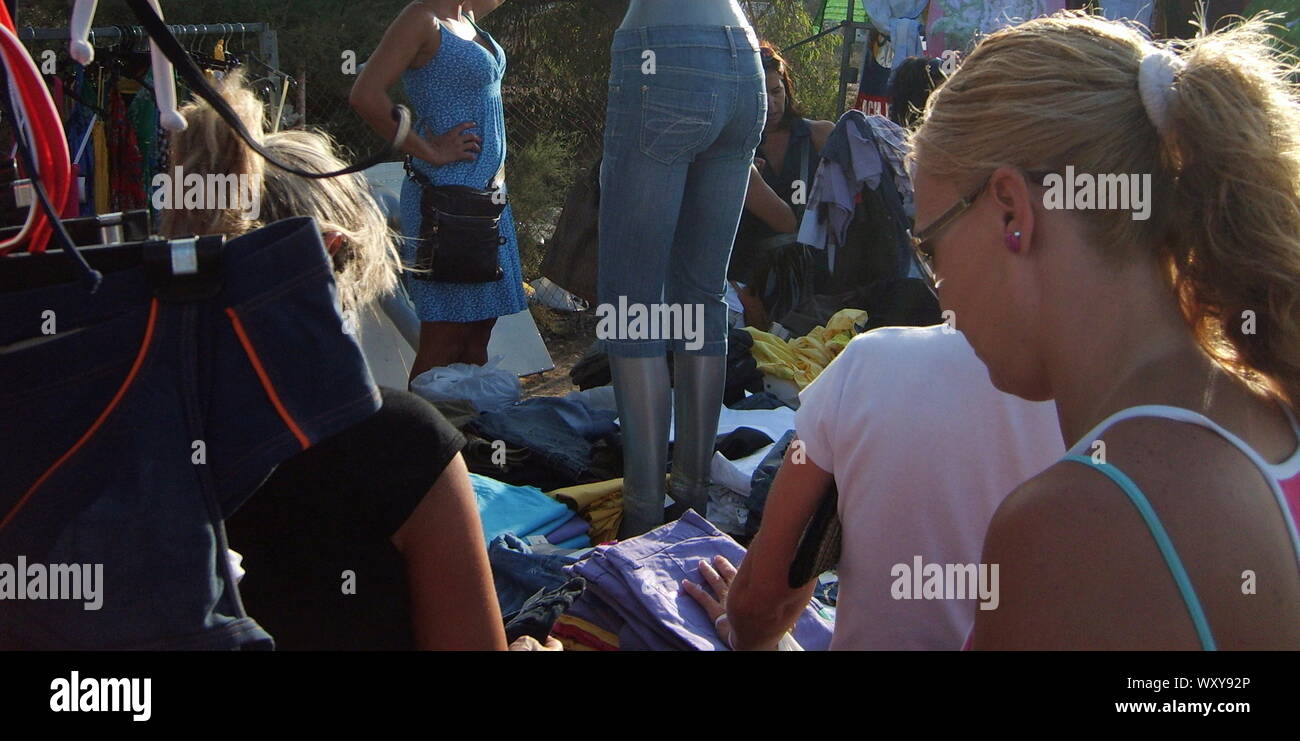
461	83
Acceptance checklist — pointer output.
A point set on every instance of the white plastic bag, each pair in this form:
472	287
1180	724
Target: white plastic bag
487	387
550	295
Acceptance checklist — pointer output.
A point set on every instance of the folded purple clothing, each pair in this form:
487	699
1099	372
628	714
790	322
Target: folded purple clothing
571	528
640	580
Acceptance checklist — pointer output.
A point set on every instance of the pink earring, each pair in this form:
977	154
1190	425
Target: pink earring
1013	241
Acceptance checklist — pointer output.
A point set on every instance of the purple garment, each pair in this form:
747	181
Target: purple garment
640	580
590	608
575	526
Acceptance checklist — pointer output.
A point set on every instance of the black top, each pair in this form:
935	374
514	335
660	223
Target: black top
752	230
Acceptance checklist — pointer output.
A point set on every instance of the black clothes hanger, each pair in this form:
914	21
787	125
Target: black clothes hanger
167	44
88	231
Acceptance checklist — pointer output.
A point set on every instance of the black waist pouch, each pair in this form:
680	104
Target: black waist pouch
460	233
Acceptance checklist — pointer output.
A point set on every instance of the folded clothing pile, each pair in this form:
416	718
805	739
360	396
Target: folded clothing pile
519	572
802	359
528	514
600	504
561	431
634	591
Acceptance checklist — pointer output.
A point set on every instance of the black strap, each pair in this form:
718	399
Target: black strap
185	68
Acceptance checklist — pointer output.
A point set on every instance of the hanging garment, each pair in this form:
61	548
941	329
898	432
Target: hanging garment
143	117
962	21
103	169
126	175
858	205
80	130
159	418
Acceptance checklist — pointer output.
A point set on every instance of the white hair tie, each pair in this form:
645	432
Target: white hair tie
1156	84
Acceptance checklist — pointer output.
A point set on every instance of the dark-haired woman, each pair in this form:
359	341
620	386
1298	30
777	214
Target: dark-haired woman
911	86
783	170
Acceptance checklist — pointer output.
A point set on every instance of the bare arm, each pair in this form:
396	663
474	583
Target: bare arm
763	202
412	30
760	605
820	131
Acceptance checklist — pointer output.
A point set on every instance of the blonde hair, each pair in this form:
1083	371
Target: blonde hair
1225	172
366	266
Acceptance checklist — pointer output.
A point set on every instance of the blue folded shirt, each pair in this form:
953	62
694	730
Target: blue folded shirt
522	510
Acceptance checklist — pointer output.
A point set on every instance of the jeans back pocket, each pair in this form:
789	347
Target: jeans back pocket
675	123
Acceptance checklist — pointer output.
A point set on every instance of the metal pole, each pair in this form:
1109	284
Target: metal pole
850	30
115	32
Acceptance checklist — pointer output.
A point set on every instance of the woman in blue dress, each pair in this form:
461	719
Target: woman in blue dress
451	71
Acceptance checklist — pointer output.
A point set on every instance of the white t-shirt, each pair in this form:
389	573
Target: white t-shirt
923	449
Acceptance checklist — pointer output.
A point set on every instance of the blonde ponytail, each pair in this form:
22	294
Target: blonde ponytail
1224	163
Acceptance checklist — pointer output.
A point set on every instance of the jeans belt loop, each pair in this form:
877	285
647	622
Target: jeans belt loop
731	40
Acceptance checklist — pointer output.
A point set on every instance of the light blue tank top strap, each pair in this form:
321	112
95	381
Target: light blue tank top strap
1273	473
1161	537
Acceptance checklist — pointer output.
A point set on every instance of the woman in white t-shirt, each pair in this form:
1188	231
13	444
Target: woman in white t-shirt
922	449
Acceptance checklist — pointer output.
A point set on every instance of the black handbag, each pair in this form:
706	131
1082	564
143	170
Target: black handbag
460	232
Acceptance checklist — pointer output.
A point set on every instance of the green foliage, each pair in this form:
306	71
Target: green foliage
1288	26
814	66
538	178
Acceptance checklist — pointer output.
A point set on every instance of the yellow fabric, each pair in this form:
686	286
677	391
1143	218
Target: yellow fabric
591	629
599	503
99	139
584	495
804	358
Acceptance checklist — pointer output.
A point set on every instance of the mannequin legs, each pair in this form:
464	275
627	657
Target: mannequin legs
697	397
641	392
644	409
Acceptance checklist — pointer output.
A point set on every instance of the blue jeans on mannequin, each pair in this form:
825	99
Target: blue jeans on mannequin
686	110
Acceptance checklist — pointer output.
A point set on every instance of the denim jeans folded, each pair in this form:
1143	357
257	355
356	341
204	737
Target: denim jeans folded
540	612
518	573
560	430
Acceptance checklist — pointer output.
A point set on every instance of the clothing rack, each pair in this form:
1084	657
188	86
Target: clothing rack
269	49
268	43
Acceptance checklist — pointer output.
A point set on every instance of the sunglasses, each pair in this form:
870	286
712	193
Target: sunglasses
923	240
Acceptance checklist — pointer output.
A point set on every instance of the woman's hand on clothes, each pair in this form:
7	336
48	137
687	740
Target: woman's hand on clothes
719	576
455	144
528	643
